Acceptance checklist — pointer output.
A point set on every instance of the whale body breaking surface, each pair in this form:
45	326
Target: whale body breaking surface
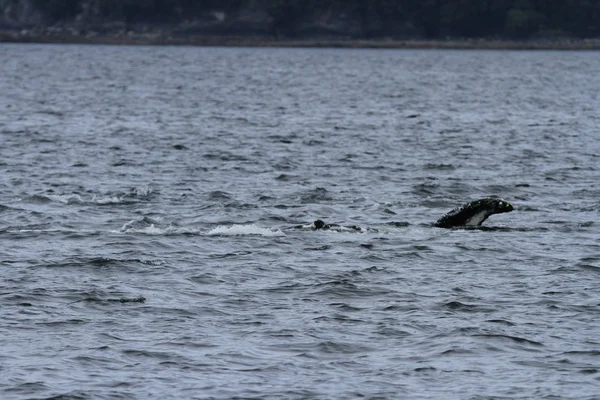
473	213
470	214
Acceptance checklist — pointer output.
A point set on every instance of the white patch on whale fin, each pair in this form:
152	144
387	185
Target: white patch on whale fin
477	219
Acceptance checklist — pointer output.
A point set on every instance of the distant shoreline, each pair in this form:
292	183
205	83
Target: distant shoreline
257	41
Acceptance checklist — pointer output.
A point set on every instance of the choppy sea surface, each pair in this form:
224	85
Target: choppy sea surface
148	197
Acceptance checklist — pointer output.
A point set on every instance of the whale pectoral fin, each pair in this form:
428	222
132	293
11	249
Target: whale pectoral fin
477	219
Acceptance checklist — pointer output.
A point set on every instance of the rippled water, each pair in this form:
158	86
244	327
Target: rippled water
148	196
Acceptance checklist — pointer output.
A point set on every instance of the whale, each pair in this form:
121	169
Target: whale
473	213
320	225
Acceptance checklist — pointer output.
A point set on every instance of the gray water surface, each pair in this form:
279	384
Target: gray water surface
148	195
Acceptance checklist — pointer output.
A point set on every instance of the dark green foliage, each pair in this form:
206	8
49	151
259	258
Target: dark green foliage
523	23
374	18
285	15
58	9
485	18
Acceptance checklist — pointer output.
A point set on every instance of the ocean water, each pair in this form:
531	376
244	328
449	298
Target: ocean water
148	198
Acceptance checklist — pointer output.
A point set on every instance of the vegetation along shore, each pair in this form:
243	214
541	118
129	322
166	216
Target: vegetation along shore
464	24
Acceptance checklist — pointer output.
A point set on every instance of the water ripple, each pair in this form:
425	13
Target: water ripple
148	206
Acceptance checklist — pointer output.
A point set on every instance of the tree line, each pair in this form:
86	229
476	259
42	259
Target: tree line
373	18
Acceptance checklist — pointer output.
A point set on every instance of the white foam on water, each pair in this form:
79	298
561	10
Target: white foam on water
109	200
148	226
244	230
65	198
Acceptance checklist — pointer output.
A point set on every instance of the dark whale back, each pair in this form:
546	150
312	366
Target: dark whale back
474	213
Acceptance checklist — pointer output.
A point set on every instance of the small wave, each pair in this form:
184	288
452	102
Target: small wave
143	192
149	230
244	230
398	224
440	166
138	299
110	200
4	208
218	195
139	224
149	226
136	194
316	195
48	230
515	339
464	307
103	297
55	198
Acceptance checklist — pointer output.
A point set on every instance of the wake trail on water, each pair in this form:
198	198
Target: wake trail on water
245	230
